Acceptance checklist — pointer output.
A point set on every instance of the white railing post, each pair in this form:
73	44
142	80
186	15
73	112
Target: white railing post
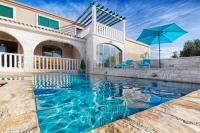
60	65
40	60
5	60
54	63
0	60
47	63
57	65
15	61
50	63
67	64
63	61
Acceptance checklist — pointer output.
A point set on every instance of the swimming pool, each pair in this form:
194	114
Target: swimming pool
70	103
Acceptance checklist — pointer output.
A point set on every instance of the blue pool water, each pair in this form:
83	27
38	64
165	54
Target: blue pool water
79	103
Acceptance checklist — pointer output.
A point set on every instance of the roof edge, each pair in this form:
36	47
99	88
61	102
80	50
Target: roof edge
36	9
140	43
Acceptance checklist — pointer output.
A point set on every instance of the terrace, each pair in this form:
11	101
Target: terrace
95	20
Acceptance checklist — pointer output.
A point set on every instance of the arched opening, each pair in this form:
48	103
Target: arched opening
56	49
108	55
51	51
9	44
53	55
10	52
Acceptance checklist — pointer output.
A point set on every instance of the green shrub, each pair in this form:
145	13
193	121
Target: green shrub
191	48
82	66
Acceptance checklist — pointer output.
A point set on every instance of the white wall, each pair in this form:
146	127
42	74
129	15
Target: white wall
30	37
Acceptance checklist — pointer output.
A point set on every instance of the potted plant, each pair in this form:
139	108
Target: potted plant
82	66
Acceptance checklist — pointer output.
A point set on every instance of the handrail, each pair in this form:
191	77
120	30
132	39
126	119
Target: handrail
55	63
11	61
109	32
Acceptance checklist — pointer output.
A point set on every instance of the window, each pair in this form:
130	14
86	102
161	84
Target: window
6	11
108	55
47	22
51	51
7	46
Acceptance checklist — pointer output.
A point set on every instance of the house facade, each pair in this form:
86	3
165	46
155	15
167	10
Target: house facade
32	40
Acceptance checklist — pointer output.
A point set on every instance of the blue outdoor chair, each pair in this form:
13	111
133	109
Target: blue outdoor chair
145	63
127	63
123	64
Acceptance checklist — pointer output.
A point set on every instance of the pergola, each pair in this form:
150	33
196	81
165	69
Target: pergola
103	15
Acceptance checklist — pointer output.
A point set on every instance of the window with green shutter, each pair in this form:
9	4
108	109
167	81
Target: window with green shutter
6	11
47	22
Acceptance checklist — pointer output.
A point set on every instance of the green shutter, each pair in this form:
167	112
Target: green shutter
6	11
43	21
53	24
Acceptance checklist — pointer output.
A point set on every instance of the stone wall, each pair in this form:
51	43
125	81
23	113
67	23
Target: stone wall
190	75
182	62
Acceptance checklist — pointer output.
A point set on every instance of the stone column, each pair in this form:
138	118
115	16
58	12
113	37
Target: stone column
94	18
124	29
29	46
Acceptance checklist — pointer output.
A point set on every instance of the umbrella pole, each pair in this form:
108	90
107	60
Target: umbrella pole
159	52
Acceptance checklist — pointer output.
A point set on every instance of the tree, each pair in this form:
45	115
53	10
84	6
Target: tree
191	48
175	54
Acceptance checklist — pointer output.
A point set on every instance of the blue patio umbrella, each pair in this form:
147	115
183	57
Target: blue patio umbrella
161	34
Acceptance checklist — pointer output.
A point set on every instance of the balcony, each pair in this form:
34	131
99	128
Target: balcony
100	21
109	32
10	62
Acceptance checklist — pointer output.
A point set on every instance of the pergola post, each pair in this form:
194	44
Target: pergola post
94	18
124	29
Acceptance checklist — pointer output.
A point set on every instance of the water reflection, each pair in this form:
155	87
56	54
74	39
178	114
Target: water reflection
79	103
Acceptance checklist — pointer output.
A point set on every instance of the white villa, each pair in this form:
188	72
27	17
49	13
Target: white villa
32	40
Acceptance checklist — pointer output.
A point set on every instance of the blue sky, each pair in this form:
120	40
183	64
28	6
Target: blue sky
140	14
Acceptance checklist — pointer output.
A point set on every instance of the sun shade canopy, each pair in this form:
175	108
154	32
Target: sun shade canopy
161	34
103	15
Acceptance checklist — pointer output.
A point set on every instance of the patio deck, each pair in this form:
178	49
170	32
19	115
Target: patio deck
17	108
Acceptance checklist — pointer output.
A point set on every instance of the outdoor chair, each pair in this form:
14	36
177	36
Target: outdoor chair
145	63
127	63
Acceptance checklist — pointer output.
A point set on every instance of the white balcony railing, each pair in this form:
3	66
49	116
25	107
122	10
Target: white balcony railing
11	61
109	32
52	63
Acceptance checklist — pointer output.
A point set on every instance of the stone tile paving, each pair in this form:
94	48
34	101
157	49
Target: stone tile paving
178	116
17	108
